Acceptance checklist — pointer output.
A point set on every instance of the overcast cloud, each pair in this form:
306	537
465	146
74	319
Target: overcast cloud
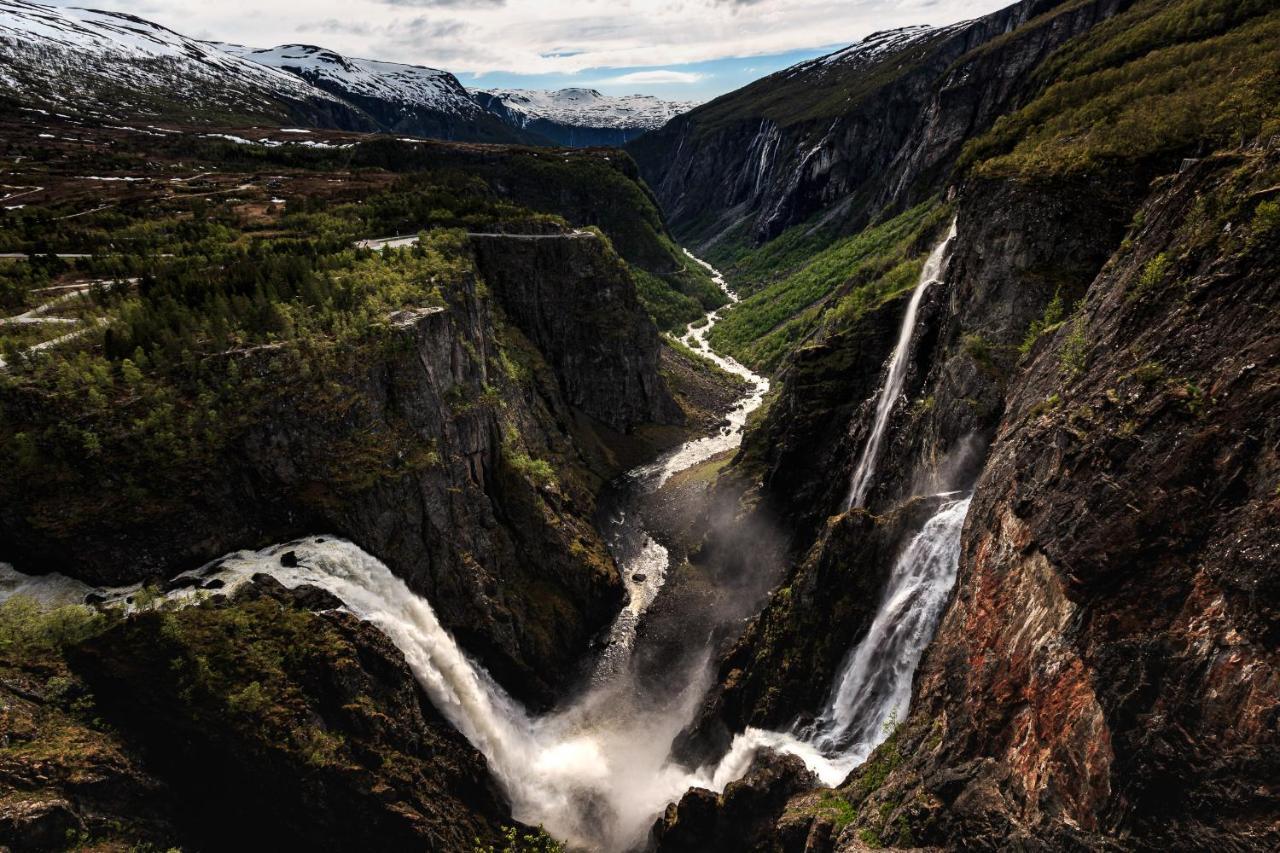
549	37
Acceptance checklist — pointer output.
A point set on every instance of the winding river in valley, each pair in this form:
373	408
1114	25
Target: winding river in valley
597	771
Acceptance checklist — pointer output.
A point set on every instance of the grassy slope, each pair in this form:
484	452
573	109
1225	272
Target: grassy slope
1167	78
842	281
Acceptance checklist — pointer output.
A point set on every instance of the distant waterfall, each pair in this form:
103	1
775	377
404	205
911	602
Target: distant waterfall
897	374
874	686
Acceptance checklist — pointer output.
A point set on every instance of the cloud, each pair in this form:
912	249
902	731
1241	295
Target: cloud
445	4
651	78
544	37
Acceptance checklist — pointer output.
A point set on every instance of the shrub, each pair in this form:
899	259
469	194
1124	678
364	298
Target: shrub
1266	222
1153	273
29	627
531	841
1075	349
1053	313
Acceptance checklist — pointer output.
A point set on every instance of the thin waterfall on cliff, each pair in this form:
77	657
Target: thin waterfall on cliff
874	686
597	771
896	374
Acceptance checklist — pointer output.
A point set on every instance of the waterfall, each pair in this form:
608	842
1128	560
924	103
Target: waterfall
896	374
596	772
874	685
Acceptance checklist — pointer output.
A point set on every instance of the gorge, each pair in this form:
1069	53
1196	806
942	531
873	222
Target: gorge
879	456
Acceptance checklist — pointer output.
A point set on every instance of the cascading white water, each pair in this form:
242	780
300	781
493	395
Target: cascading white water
874	686
896	375
596	773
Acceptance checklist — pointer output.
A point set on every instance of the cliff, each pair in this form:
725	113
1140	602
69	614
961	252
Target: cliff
306	726
455	449
1106	673
837	141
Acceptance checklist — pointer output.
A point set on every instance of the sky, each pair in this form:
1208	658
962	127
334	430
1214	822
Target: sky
690	50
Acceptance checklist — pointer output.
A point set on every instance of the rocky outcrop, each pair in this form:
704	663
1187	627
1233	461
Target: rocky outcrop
846	139
742	818
310	729
578	305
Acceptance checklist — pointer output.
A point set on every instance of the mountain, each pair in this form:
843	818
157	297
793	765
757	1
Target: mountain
840	137
399	98
580	117
117	66
1003	262
430	540
77	59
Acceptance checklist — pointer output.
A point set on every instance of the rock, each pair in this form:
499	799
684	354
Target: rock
215	583
180	582
356	759
303	596
289	559
639	577
310	597
38	824
92	598
742	818
606	363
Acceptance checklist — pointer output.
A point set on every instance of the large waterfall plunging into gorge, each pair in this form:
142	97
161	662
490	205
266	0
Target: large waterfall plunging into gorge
873	688
597	771
896	374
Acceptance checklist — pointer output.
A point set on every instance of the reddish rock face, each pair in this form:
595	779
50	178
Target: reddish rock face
1109	670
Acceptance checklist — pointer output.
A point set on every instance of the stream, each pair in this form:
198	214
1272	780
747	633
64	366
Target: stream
597	771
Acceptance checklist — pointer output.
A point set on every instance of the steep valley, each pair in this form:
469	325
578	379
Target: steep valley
399	494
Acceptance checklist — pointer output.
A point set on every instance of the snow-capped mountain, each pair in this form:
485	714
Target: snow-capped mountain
580	116
389	81
118	66
115	64
400	98
869	50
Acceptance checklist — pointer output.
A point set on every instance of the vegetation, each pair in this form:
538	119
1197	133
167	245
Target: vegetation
219	306
29	629
847	279
1164	79
529	841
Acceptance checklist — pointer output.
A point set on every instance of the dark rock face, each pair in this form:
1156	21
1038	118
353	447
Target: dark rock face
741	818
420	452
1110	663
64	779
1107	672
577	304
891	144
784	665
336	749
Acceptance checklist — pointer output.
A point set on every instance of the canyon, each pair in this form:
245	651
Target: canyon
927	499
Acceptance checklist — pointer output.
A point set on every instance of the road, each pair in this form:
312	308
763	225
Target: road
408	240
